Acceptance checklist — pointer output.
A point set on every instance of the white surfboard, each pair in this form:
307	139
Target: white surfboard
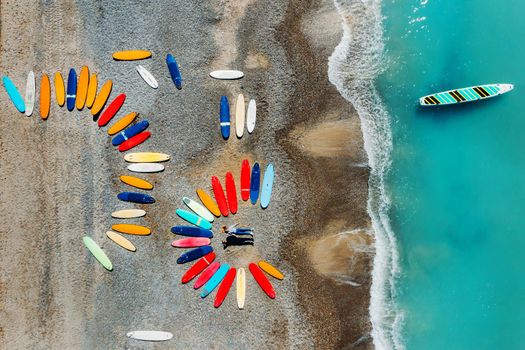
150	335
240	113
30	93
241	287
227	74
251	115
146	167
128	213
198	209
148	77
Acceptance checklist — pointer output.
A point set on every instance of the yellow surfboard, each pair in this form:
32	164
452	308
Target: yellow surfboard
208	202
102	97
122	123
82	88
60	89
136	182
121	241
269	269
92	91
131	55
241	288
131	229
45	96
146	157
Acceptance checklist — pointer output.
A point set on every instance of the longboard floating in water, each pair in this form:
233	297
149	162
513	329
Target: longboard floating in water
150	335
14	95
97	253
131	55
227	74
468	94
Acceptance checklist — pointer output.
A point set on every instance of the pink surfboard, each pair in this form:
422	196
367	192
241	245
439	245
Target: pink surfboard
191	242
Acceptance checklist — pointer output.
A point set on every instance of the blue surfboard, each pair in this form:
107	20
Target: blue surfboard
214	281
136	197
225	117
14	95
71	89
193	219
130	132
174	71
194	254
266	189
255	182
191	231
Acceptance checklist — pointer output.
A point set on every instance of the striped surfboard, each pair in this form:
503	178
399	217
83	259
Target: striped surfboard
467	94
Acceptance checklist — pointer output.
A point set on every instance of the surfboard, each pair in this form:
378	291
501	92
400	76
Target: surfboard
215	280
198	267
97	252
14	95
136	197
131	229
224	117
102	97
30	93
128	213
227	74
83	83
245	180
251	116
255	183
267	184
91	91
60	90
240	111
173	67
146	157
194	254
147	76
271	270
191	231
225	286
122	123
261	279
206	275
121	241
191	242
45	96
231	193
468	94
146	167
150	335
112	109
71	89
193	219
219	195
131	55
134	141
198	209
130	132
136	182
241	288
208	202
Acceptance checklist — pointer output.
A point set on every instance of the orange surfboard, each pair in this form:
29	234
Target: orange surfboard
60	89
136	182
102	97
82	88
208	202
131	229
45	96
122	123
91	91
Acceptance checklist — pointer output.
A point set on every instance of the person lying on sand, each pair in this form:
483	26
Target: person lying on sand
237	231
235	241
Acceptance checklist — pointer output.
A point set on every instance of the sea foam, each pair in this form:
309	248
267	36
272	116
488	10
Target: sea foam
353	68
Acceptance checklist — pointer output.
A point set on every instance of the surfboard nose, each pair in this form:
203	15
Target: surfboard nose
506	87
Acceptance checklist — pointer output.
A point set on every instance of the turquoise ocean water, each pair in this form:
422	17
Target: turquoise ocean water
457	174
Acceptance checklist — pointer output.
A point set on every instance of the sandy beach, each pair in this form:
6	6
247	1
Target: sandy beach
60	178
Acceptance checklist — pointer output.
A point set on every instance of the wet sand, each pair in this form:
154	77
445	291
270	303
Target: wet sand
60	179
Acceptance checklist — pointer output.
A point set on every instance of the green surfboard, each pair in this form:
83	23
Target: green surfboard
98	253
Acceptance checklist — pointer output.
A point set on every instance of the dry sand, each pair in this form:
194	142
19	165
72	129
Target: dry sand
60	178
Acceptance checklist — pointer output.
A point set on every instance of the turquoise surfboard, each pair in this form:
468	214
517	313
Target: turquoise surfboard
215	280
266	189
14	95
193	219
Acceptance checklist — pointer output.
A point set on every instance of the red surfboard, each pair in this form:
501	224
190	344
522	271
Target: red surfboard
198	267
231	193
245	180
206	275
112	109
191	242
225	286
134	141
259	276
219	195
